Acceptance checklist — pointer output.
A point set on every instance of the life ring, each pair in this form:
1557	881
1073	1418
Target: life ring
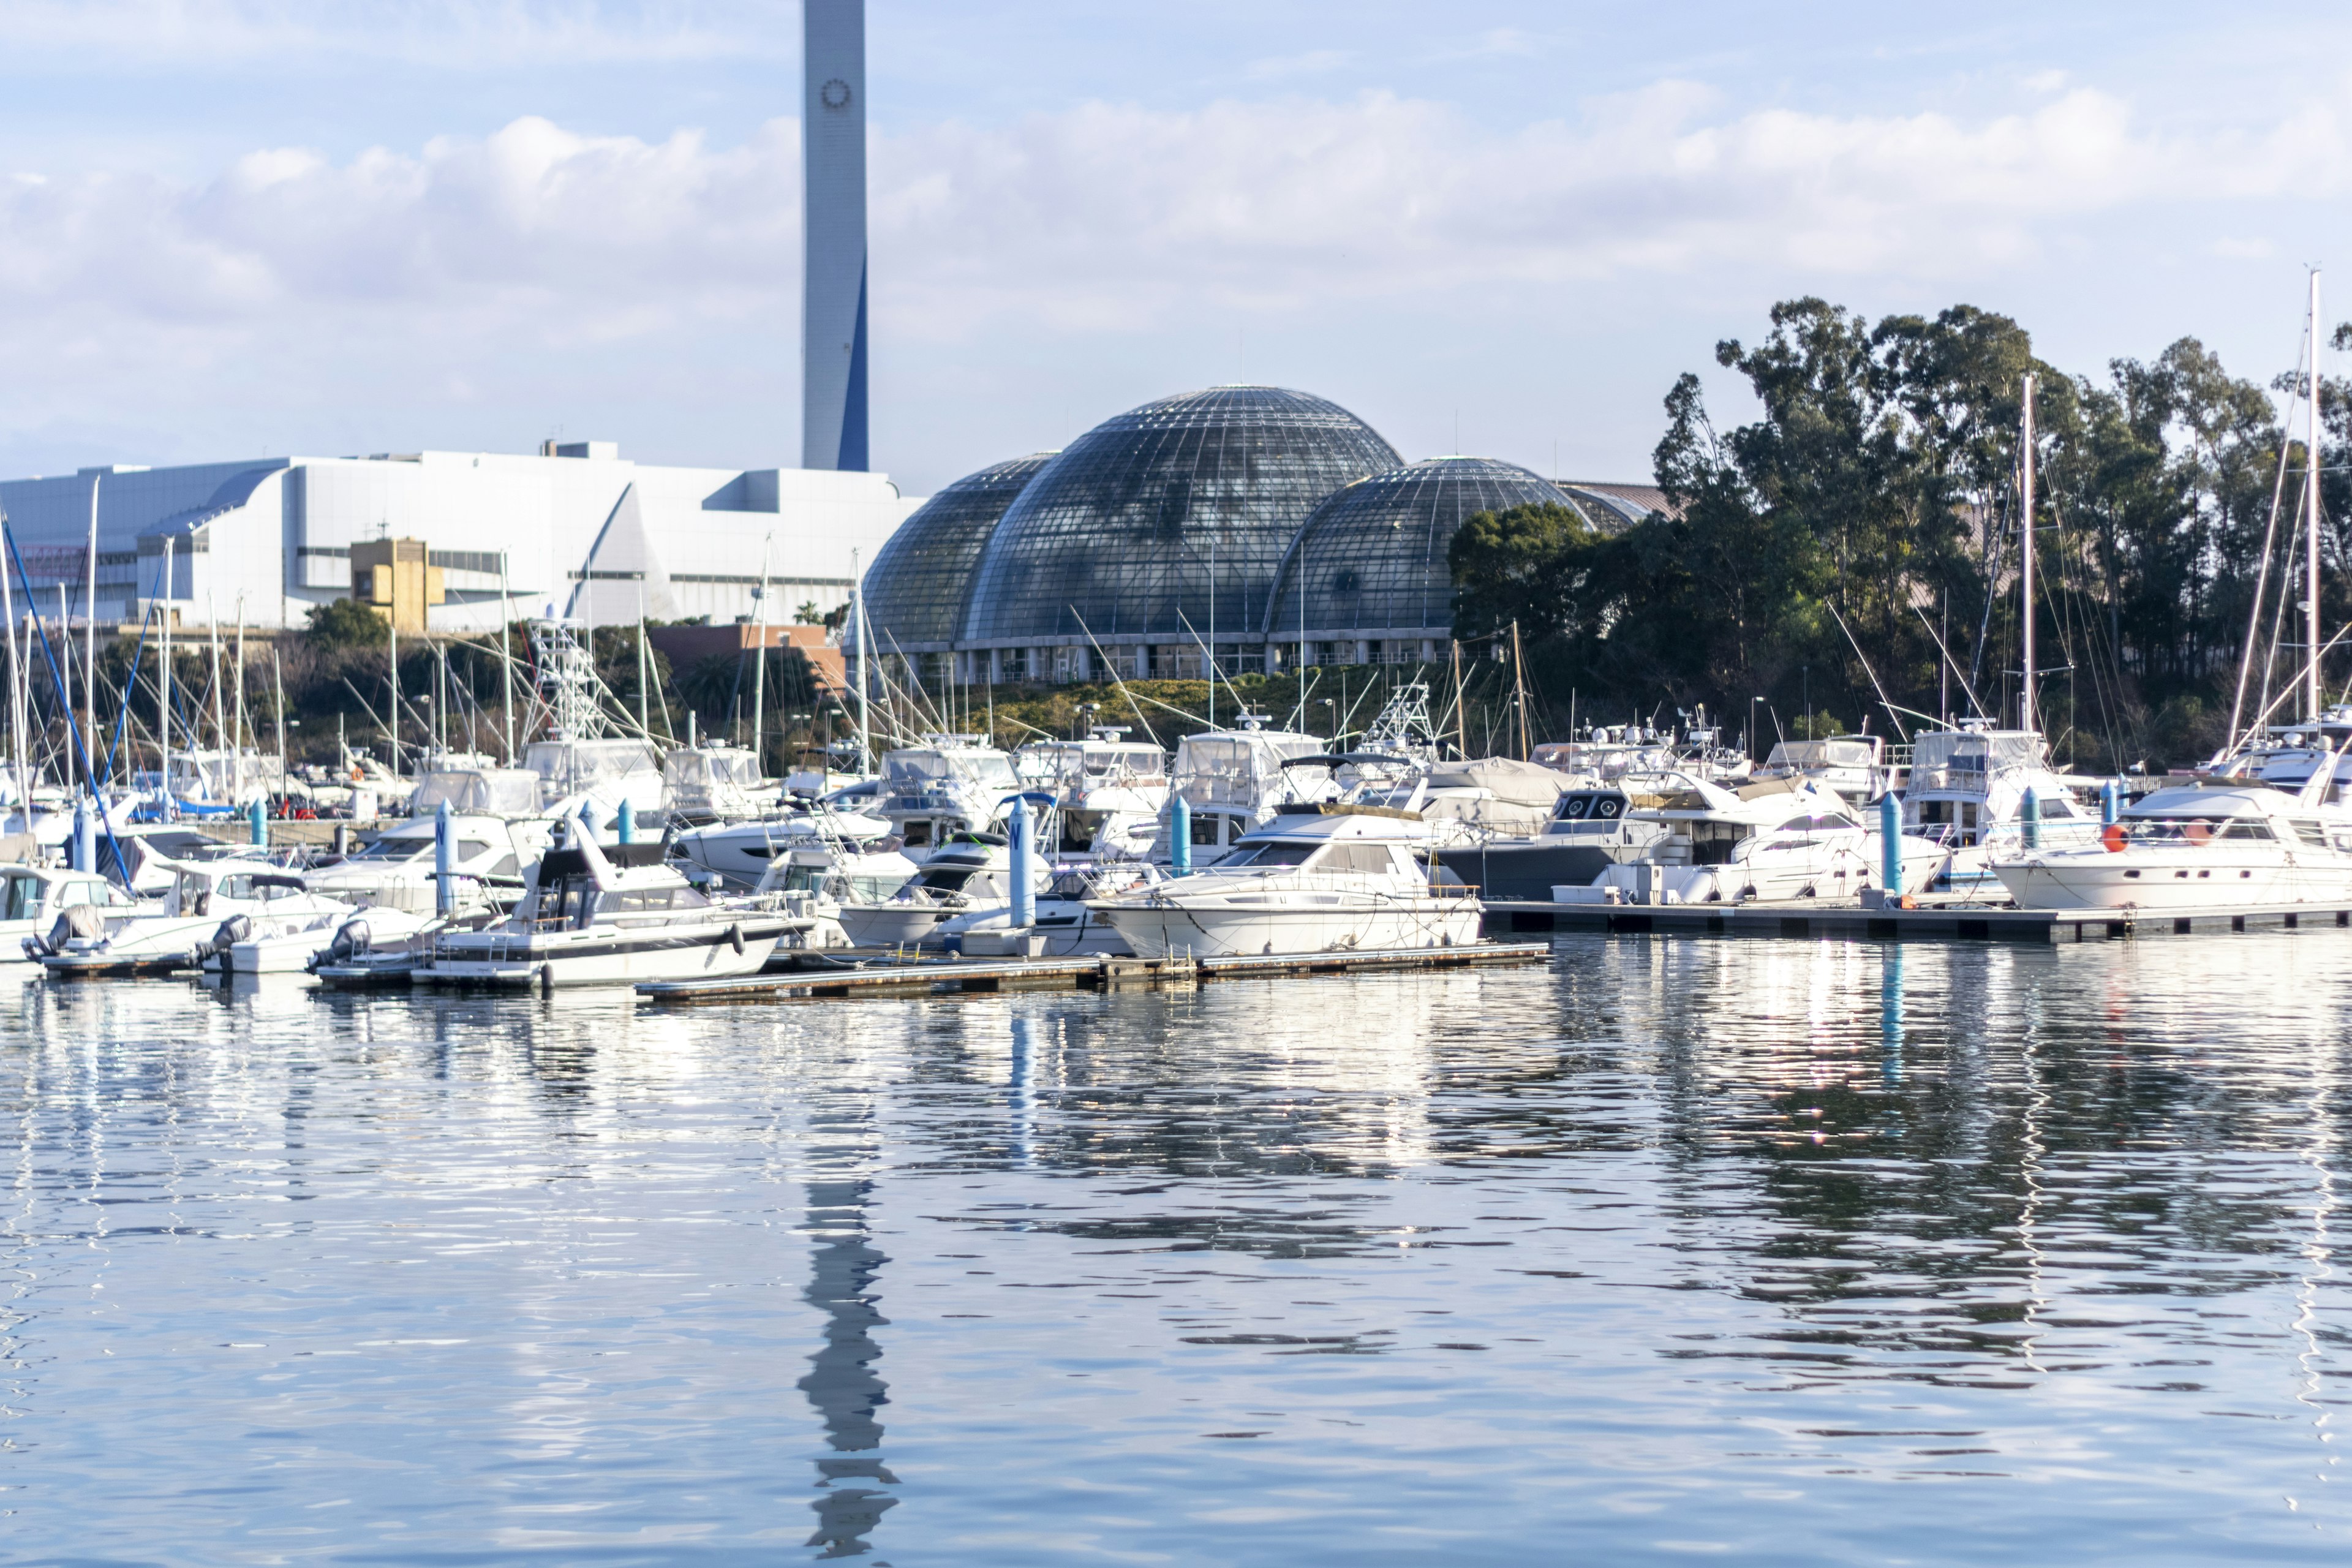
2112	836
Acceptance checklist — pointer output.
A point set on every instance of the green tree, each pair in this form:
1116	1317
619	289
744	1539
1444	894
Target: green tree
347	622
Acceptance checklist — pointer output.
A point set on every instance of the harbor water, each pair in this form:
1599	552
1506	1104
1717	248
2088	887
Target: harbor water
1768	1251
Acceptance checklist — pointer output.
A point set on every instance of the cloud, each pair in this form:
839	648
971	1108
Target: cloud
1106	218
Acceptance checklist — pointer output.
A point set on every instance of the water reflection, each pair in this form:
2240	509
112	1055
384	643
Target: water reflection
1511	1265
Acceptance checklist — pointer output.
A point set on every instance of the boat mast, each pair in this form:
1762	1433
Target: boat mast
2311	531
15	701
163	688
857	614
2025	714
90	649
759	659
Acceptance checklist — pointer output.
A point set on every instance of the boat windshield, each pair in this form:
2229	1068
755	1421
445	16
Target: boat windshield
1265	856
384	850
1589	811
2195	829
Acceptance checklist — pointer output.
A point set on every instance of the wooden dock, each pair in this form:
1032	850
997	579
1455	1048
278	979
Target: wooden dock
1931	920
930	976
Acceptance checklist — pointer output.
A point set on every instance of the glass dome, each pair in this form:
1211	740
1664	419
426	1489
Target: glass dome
1372	558
1115	540
915	590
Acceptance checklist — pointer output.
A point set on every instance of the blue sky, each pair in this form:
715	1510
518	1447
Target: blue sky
232	228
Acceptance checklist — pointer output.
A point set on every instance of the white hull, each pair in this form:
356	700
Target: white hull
603	956
2207	878
1071	929
1204	930
894	924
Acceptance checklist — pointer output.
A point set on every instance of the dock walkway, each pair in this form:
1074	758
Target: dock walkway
1932	921
930	977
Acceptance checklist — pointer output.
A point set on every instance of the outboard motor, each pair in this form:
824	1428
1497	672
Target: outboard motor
351	942
82	920
232	930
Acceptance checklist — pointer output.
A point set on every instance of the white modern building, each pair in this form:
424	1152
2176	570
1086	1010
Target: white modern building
578	528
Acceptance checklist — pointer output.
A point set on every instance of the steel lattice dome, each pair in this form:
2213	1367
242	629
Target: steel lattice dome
1114	541
1371	558
915	592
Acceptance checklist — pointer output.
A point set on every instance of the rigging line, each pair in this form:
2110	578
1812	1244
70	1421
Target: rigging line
25	578
2262	564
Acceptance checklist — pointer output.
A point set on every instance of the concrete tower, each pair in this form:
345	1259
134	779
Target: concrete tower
832	288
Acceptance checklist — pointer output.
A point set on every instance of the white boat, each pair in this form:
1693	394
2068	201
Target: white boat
397	869
740	853
2201	845
816	876
1787	839
1322	878
297	948
34	899
1590	829
607	915
1233	782
949	787
714	783
1065	920
1855	767
956	880
1966	792
205	898
1107	792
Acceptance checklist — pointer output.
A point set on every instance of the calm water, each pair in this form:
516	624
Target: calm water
1778	1252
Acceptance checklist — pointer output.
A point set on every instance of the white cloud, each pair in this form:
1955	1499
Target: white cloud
1103	218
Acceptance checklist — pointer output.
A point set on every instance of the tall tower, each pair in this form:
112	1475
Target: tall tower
833	287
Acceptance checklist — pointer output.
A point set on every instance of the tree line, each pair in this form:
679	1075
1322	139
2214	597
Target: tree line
1863	534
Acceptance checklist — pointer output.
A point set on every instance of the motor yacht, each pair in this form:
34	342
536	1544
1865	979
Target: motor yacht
1315	879
1966	792
206	897
713	783
1233	782
397	869
968	877
606	915
2210	844
1785	838
740	853
1065	920
1108	791
1857	767
1590	829
949	786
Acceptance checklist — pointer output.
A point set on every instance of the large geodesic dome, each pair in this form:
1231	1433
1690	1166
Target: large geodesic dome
1165	520
915	592
1370	565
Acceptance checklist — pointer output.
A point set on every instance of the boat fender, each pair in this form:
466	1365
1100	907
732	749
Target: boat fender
2112	835
735	939
547	980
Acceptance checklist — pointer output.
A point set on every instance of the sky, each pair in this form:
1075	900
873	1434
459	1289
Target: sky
233	229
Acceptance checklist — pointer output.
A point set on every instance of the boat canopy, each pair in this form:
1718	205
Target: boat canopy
1964	759
570	767
1234	767
1837	752
477	792
914	767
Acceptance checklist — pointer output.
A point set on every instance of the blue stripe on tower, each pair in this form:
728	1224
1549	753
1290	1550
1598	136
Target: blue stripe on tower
853	409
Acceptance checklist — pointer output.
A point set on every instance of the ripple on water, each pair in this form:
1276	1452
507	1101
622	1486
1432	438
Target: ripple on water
1784	1251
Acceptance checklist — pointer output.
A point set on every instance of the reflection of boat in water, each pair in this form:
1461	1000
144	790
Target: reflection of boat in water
2197	845
1341	877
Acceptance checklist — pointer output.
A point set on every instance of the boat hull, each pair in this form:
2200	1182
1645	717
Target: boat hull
1199	930
601	957
2200	878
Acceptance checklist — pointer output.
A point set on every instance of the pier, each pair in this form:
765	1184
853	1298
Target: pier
889	977
1928	921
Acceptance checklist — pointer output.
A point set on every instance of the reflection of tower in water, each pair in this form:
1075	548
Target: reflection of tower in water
842	1385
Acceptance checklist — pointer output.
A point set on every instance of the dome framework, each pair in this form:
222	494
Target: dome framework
1155	526
1366	579
914	593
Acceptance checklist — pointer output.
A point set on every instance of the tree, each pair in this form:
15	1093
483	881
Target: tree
347	622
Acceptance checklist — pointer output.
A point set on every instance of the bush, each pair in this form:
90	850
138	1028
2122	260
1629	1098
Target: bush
347	622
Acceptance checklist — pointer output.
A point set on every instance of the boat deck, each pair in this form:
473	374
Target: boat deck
1933	920
883	976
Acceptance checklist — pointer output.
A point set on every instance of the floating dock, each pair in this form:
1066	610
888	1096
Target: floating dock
1930	921
935	977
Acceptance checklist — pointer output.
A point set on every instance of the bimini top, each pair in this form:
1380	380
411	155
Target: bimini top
1373	557
915	590
1115	539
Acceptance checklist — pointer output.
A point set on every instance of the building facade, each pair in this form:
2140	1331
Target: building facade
576	530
